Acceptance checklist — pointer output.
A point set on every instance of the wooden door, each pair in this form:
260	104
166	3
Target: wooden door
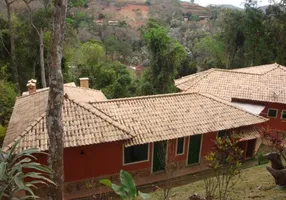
194	149
159	156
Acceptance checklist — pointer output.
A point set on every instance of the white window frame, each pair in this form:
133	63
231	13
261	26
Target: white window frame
272	109
177	141
132	163
282	114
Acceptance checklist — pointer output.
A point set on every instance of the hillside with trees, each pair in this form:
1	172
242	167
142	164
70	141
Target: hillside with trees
104	40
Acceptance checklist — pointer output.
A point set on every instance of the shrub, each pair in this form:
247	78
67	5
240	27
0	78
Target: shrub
127	189
260	159
225	161
14	179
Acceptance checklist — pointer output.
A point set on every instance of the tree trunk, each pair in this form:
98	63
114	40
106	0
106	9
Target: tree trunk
42	60
55	102
12	46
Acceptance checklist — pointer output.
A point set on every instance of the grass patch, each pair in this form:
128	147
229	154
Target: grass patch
255	183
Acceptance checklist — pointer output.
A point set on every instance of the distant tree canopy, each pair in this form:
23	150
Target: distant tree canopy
245	38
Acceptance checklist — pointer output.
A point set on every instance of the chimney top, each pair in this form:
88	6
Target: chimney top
84	82
31	85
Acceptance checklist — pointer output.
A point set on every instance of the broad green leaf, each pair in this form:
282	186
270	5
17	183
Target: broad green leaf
18	180
12	150
27	189
28	197
38	176
28	151
106	182
25	160
3	166
127	183
144	195
38	167
119	190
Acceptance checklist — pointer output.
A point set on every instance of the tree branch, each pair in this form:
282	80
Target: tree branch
31	18
2	41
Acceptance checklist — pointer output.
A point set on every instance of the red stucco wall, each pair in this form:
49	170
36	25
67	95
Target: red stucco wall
208	143
172	149
275	123
97	160
107	159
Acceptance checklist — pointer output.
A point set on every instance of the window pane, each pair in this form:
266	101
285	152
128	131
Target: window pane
283	116
272	113
136	153
180	145
221	134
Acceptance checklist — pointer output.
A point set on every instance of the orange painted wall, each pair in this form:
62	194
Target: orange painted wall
275	123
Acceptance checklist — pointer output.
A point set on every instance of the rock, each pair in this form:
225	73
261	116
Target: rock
195	197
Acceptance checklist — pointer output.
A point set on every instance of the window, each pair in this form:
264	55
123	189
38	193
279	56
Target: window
222	133
272	113
180	146
136	153
283	114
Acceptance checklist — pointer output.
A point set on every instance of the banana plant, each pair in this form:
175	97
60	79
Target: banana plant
13	179
127	190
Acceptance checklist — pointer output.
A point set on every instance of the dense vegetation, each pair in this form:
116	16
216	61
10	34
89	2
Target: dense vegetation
166	45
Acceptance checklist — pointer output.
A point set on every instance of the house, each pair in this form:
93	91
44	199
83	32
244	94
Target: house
259	89
142	135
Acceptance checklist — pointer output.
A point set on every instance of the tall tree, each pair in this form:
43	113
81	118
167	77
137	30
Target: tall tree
39	32
12	44
55	102
167	56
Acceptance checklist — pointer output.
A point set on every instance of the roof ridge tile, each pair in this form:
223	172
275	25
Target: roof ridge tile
141	97
102	115
21	135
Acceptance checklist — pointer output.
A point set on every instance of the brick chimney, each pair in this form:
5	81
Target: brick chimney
84	82
31	86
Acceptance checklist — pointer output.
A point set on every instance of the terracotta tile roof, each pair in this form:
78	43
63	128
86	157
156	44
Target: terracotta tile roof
248	133
83	125
261	83
169	116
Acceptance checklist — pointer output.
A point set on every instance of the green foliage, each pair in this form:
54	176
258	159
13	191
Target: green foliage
80	20
116	48
244	38
194	18
122	23
2	134
260	159
91	52
127	189
12	175
77	3
213	51
6	101
167	56
225	160
148	2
